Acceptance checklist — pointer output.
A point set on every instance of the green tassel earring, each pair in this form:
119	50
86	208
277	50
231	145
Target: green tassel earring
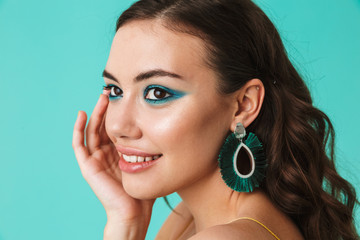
240	175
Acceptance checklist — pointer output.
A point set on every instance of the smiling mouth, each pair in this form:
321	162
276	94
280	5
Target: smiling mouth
135	159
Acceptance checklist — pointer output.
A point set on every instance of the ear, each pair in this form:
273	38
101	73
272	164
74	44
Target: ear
249	100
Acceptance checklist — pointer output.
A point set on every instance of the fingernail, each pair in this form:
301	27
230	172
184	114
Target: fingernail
106	92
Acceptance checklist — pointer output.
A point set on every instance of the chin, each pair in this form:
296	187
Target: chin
144	191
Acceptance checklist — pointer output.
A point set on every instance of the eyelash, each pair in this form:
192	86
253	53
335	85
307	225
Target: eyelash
169	93
112	88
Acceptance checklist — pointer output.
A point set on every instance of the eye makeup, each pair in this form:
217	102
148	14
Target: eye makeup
157	94
115	91
153	94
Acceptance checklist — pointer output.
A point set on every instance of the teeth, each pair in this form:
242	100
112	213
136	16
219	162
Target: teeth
134	159
126	158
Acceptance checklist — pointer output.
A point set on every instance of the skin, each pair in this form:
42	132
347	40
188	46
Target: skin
187	131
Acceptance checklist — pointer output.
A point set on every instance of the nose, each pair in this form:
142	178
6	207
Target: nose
121	120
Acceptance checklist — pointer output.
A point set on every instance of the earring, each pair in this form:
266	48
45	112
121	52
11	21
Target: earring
240	175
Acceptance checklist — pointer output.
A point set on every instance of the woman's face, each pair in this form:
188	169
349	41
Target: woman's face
164	111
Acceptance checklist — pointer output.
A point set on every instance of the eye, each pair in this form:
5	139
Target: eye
115	92
157	93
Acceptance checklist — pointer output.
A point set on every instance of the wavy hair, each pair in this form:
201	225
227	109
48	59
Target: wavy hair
242	44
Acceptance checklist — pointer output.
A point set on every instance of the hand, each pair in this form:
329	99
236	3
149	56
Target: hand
98	161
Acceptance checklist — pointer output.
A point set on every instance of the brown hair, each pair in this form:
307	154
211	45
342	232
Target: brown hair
243	44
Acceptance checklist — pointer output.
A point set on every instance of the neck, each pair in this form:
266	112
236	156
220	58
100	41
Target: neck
211	202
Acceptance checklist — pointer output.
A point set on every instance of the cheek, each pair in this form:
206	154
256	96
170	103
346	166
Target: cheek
160	128
192	132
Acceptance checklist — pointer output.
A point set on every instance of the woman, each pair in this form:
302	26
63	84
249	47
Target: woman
201	99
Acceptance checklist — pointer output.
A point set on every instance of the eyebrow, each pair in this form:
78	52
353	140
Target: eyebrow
145	75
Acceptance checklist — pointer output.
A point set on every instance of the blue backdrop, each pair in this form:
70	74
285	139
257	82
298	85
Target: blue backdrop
52	54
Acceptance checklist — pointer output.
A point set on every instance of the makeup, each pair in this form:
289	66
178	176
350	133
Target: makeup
157	94
132	160
130	167
114	92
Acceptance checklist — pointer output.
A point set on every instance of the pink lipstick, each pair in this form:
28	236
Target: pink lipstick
132	160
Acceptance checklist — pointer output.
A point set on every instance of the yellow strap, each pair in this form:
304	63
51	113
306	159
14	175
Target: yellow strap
247	218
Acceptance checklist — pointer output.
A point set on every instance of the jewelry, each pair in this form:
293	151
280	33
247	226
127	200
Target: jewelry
242	164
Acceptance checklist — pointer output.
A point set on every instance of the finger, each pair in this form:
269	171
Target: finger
106	92
92	131
104	138
81	152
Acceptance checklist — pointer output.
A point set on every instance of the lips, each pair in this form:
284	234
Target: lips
135	155
135	159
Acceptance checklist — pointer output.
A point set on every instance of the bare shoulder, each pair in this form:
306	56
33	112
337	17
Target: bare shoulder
178	225
261	220
238	230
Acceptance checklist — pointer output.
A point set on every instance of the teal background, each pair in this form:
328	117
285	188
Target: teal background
52	54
